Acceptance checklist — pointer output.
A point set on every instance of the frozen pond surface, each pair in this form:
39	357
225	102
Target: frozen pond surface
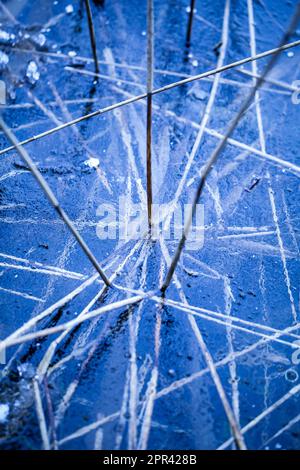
136	376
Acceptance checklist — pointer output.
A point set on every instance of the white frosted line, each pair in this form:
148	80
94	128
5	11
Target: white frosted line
122	418
208	359
52	198
265	413
282	253
206	115
273	158
41	416
255	71
289	223
253	151
144	372
12	174
151	388
235	429
49	271
103	76
190	379
8	13
60	303
149	397
54	20
228	298
69	117
208	23
173	387
263	148
22	294
126	137
215	194
226	322
259	247
191	308
215	274
133	383
11	206
272	81
64	403
247	235
75	353
28	125
125	406
262	228
50	115
50	103
45	266
236	143
155	92
91	427
45	362
285	428
139	68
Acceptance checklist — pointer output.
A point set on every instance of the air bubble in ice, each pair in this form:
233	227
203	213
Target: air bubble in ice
291	375
32	72
72	54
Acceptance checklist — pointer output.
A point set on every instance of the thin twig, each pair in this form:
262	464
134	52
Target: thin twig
154	92
52	199
220	147
92	34
190	24
291	393
150	34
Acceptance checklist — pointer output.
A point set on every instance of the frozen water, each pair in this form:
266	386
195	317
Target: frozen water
139	375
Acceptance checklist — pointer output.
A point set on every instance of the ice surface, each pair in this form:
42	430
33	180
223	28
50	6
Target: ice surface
138	375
